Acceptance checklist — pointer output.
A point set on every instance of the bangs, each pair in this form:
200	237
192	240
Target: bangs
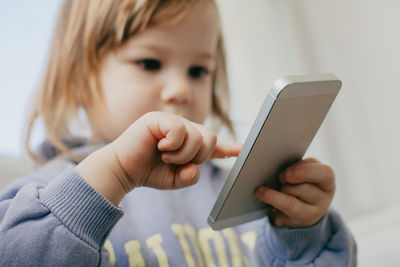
136	16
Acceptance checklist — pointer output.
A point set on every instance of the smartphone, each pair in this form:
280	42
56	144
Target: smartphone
286	124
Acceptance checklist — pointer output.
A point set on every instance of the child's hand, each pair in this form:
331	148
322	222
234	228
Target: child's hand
159	150
306	193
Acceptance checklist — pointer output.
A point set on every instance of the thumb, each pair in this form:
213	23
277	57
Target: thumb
226	149
186	175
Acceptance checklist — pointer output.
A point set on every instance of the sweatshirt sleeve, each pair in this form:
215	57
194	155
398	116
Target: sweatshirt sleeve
64	223
327	243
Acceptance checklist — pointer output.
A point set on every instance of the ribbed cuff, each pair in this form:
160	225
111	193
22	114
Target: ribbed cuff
300	243
84	211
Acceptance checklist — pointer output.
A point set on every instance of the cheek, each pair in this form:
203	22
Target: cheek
129	106
124	105
204	105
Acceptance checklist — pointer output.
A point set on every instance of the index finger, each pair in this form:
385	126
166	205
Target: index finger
287	204
310	172
226	149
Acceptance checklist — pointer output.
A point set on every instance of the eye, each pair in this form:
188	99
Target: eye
197	71
149	64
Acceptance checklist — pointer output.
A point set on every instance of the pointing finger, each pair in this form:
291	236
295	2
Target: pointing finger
226	149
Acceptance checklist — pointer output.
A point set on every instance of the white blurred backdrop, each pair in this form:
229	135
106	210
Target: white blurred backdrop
358	41
26	27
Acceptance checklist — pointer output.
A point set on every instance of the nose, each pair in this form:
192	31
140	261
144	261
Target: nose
177	90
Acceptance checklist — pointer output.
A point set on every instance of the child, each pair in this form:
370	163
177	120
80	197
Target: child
147	74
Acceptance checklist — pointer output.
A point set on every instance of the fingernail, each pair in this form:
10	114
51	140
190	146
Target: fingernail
194	175
261	191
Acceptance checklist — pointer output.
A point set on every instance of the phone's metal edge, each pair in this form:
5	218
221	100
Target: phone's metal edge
241	159
309	78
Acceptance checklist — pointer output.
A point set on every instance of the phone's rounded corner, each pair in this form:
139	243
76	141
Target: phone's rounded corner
211	223
340	83
286	81
279	85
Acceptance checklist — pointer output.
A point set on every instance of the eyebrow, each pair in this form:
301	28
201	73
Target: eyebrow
206	55
159	49
153	47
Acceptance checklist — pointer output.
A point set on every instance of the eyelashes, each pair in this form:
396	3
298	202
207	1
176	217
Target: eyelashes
153	65
149	64
197	72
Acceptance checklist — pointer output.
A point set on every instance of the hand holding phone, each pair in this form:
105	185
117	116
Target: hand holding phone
284	128
306	192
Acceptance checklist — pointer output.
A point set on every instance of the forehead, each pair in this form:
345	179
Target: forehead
197	28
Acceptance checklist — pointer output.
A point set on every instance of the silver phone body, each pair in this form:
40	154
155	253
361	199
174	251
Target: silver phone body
284	128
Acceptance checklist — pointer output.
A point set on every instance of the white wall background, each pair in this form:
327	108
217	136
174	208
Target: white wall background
358	40
25	28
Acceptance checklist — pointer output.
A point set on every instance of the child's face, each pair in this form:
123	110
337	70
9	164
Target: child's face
165	68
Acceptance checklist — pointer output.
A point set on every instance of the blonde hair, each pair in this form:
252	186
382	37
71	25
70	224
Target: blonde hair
85	31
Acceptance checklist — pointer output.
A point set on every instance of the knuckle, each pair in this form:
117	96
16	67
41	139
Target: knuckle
152	115
210	143
208	136
179	126
178	133
312	159
330	196
330	176
329	171
290	204
213	138
197	137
